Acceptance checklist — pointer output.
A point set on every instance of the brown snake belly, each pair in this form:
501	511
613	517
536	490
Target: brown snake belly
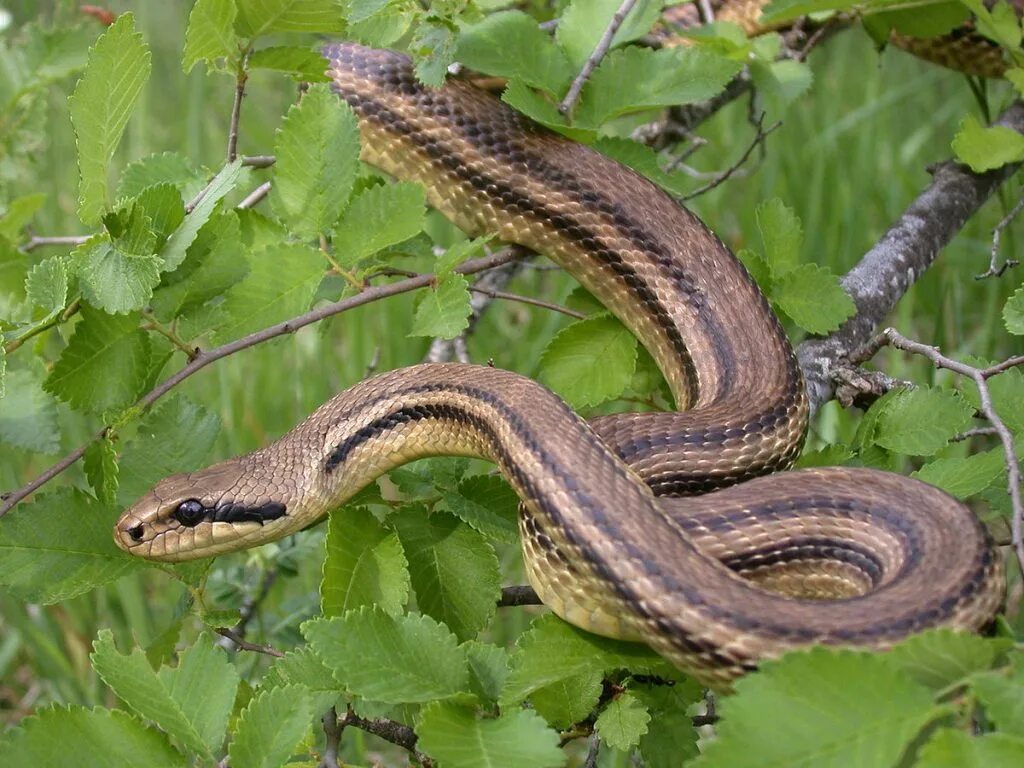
714	582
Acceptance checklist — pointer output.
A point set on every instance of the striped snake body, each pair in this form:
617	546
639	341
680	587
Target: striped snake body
614	539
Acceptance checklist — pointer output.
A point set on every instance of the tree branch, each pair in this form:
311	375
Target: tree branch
595	57
895	263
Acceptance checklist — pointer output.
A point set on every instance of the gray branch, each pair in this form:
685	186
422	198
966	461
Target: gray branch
896	262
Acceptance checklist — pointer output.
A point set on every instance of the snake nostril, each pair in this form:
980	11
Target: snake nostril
136	532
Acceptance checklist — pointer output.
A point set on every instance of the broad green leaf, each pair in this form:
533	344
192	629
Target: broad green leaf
433	50
813	298
569	700
381	216
781	233
984	148
636	78
28	415
443	310
100	464
623	722
454	570
458	253
590	361
210	34
271	727
488	668
1006	391
949	748
408	659
541	110
964	477
921	421
1013	312
457	738
281	284
584	23
105	365
114	280
174	250
940	18
554	650
96	738
304	64
18	213
317	150
119	66
191	702
821	708
164	168
510	44
262	17
176	437
487	503
300	667
365	565
46	285
670	735
162	205
781	82
1002	696
59	546
941	657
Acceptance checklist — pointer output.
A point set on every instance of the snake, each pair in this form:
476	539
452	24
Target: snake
679	529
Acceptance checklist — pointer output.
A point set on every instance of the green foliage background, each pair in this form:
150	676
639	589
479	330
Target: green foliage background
851	154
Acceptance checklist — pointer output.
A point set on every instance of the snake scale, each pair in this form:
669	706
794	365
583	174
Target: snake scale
669	528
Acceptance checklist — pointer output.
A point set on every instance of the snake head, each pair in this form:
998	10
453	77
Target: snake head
197	514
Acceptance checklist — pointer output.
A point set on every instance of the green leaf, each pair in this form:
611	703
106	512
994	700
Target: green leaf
263	17
781	233
813	298
443	310
454	570
820	708
487	503
271	727
670	735
405	659
105	365
510	44
161	204
210	34
18	213
281	284
584	23
303	64
781	82
46	285
317	151
458	253
174	250
119	65
28	415
554	650
365	565
101	469
457	738
941	657
920	421
488	668
964	477
590	361
1006	391
59	546
569	700
636	78
433	50
380	216
622	722
176	437
114	280
1002	696
1013	312
164	168
986	148
96	738
300	667
192	702
949	748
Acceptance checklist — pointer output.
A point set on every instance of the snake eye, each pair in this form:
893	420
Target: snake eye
190	513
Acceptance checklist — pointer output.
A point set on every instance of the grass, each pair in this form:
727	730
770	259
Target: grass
848	159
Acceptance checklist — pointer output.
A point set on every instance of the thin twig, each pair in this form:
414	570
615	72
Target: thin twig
390	730
39	241
241	78
595	57
59	317
332	738
255	196
980	377
760	135
518	595
967	434
528	300
997	234
593	750
366	296
245	645
258	161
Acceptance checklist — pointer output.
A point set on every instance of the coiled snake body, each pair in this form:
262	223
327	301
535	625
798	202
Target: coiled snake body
714	582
